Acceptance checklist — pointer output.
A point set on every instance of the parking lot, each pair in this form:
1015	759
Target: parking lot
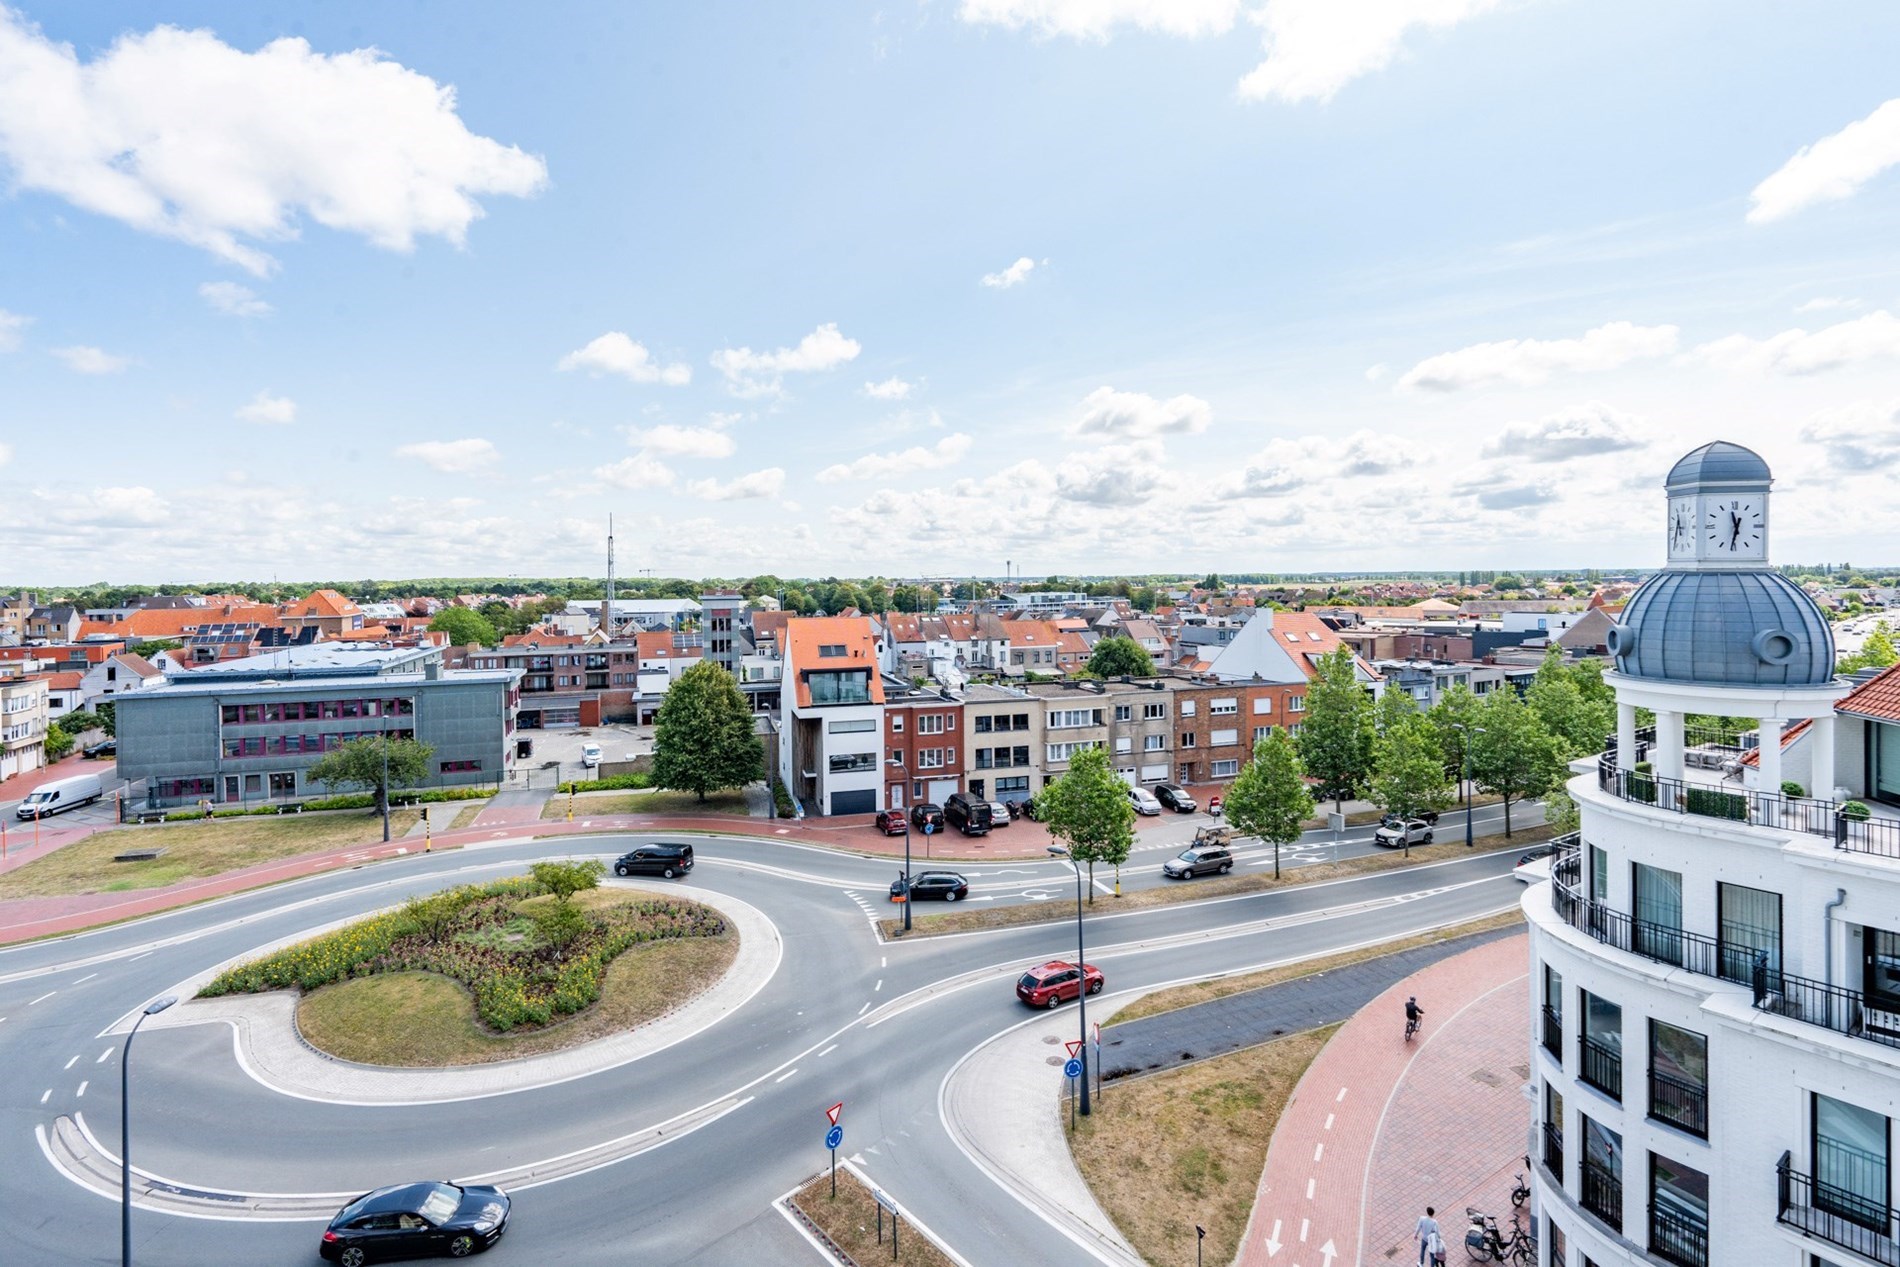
557	753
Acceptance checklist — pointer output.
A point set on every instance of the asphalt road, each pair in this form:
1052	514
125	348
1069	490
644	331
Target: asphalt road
844	1017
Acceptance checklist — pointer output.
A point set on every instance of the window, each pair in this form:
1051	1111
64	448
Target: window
1553	1133
1124	744
1154	743
1187	708
1225	769
1296	704
1063	751
1124	712
852	725
897	723
852	762
1154	712
1019	783
458	767
1679	1078
930	724
1559	1247
1553	1012
1599	875
1223	707
1881	974
930	758
1021	720
1187	739
983	758
1263	706
1260	732
1071	718
1678	1212
1223	738
839	688
1601	1043
1657	932
831	651
1603	1173
1851	1158
982	725
1748	931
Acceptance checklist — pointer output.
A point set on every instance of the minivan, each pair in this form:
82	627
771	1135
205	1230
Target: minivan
666	860
61	795
590	755
967	814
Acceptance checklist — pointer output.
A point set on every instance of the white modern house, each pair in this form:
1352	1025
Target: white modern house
831	710
1715	969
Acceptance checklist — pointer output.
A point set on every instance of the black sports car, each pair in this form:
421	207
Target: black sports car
416	1220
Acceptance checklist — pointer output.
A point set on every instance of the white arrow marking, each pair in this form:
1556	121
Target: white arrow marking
1328	1253
1273	1240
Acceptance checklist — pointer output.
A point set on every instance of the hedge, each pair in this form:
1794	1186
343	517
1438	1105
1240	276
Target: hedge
612	783
1710	803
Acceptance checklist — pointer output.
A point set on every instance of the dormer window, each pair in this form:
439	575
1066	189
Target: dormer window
831	651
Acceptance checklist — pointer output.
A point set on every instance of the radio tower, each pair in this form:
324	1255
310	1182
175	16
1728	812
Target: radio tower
607	603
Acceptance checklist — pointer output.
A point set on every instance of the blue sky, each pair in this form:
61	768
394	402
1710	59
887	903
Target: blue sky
1086	285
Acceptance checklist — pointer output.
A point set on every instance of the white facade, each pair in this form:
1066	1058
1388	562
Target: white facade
22	726
114	676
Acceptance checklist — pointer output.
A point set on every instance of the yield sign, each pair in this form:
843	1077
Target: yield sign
832	1113
1075	1047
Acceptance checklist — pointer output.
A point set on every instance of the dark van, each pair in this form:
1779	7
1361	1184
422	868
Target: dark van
666	860
967	814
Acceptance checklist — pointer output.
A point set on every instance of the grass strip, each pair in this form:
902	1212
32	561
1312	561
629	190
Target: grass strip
850	1221
593	804
1165	1152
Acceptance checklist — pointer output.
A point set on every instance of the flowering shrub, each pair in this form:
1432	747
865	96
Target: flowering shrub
518	979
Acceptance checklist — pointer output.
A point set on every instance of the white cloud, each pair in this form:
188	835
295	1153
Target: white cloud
89	360
750	373
946	452
1376	372
766	483
1832	168
1316	47
123	507
1857	438
1096	19
1014	275
1581	431
1796	351
451	457
177	133
642	470
232	299
11	323
1108	412
1117	476
266	408
892	388
1527	362
685	442
1827	303
1289	463
616	353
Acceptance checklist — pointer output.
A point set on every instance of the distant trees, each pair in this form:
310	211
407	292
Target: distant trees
1088	811
1877	652
1336	730
1120	656
703	736
464	627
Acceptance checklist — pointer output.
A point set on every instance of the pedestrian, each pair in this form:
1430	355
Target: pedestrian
1427	1231
1435	1248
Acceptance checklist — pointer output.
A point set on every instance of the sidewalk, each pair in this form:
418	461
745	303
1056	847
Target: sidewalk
1378	1129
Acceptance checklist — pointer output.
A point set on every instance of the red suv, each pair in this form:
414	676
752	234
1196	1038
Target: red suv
1056	982
891	822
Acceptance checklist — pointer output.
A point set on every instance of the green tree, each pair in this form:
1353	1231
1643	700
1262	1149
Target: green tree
108	714
1877	652
78	723
359	763
1451	719
1394	708
1408	776
57	743
565	879
1211	582
1270	800
1119	656
1578	723
703	737
149	649
1560	812
1088	810
1336	730
464	627
1512	755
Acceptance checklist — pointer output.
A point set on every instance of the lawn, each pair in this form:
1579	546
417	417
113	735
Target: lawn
596	804
193	851
850	1220
1166	1152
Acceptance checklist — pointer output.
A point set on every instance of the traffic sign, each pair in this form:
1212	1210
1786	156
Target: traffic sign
1073	1069
1097	1027
1075	1047
834	1137
929	827
831	1114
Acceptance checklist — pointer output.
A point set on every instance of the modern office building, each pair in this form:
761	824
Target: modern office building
1715	965
248	730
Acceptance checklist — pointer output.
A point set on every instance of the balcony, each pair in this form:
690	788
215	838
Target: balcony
1680	1104
1553	1032
1819	1210
1554	1151
1601	1066
1677	1238
1603	1194
1878	835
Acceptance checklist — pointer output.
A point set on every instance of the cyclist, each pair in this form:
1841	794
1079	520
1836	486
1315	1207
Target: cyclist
1413	1014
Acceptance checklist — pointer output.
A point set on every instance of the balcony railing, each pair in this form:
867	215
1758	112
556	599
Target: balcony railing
1553	1032
1602	1066
1851	833
1818	1209
1680	1103
1678	1238
1603	1194
1554	1150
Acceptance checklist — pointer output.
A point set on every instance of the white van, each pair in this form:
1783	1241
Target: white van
590	755
59	796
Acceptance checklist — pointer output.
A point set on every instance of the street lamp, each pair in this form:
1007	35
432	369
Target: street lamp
1464	756
1082	972
125	1129
385	789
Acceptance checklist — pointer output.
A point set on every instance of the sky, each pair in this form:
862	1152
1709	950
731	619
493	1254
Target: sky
938	287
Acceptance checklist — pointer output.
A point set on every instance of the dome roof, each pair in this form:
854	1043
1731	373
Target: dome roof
1724	629
1719	463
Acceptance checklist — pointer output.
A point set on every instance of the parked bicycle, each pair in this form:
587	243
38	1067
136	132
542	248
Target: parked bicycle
1521	1191
1485	1244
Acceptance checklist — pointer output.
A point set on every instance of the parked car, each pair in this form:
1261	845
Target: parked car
104	748
1144	800
61	795
1030	811
925	812
590	755
1176	798
1200	860
891	822
1393	820
1001	814
415	1220
967	814
1057	982
666	860
1413	831
945	885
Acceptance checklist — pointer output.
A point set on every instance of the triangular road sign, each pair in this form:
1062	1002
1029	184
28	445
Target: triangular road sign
1075	1047
833	1112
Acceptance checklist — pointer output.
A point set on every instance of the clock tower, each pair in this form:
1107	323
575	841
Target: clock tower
1718	509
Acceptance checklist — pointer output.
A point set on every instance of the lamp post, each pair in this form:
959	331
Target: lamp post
1464	760
1082	973
125	1129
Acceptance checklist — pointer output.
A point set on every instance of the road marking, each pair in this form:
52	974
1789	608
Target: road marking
72	1062
46	1095
82	1090
1329	1123
1319	1150
861	1012
884	961
834	1047
89	976
788	1073
103	1056
137	957
1340	1097
878	986
1309	1189
1303	1227
49	994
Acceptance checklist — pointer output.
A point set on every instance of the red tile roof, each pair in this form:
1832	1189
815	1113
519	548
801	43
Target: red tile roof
1878	698
805	635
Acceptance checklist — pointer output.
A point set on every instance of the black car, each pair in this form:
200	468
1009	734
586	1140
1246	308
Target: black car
104	748
1542	851
666	860
1175	798
1200	860
1429	817
947	885
926	812
415	1220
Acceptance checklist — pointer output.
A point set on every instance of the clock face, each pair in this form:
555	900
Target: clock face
1681	527
1733	528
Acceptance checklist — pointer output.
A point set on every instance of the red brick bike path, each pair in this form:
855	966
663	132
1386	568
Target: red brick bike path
1378	1129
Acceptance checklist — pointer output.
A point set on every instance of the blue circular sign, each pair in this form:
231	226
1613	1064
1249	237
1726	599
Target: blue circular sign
834	1137
929	827
1073	1069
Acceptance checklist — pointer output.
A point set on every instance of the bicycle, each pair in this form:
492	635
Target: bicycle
1484	1243
1521	1191
1411	1027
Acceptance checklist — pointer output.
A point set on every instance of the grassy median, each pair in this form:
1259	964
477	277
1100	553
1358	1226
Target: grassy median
595	804
850	1220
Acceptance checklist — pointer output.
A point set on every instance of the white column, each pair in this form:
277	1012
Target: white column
1625	736
1770	757
1666	756
1821	777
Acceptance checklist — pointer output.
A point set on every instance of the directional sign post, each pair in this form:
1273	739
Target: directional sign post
833	1138
1072	1070
930	829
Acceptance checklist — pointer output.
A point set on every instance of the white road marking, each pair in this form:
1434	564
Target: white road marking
827	1051
82	1090
878	986
1309	1189
884	961
46	1095
1319	1150
1329	1123
788	1073
104	1056
1340	1097
861	1012
89	976
1304	1224
72	1062
49	994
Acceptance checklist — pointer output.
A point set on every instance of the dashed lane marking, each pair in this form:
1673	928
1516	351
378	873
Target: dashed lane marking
49	994
46	1095
1309	1189
72	1062
104	1056
1319	1150
1340	1098
878	986
827	1051
1329	1123
80	1094
861	1012
89	976
788	1073
1304	1225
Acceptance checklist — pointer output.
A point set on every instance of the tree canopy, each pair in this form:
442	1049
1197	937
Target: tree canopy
1877	652
1270	800
359	763
1120	656
703	737
1408	776
1512	755
1087	809
464	627
1336	731
1558	697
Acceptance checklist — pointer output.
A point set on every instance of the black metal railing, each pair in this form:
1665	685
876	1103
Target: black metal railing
1678	1238
1601	1066
1861	1224
1678	1102
1603	1194
1553	1032
1852	832
1554	1151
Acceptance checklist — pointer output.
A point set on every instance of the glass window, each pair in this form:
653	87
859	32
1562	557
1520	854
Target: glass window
1124	712
1225	769
852	726
1658	930
1678	1212
1154	743
1559	1247
1603	1173
1679	1077
1599	875
1882	977
1851	1162
1554	1131
1749	927
1601	1044
1154	712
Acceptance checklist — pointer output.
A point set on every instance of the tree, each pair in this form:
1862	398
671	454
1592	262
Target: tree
1512	755
147	650
465	627
1578	723
1270	800
108	715
1877	652
57	743
1088	810
1120	656
703	738
1394	708
78	723
1211	582
565	879
1336	730
1408	776
359	763
1451	719
1560	812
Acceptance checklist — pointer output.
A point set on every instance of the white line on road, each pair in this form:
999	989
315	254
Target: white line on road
861	1012
82	1090
49	994
878	986
104	1056
1329	1123
89	976
72	1062
827	1051
46	1095
788	1073
1309	1189
1319	1150
1340	1097
1304	1225
136	958
884	961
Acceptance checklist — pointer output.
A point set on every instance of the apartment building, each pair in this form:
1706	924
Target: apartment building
831	715
1219	724
1134	720
23	723
924	749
